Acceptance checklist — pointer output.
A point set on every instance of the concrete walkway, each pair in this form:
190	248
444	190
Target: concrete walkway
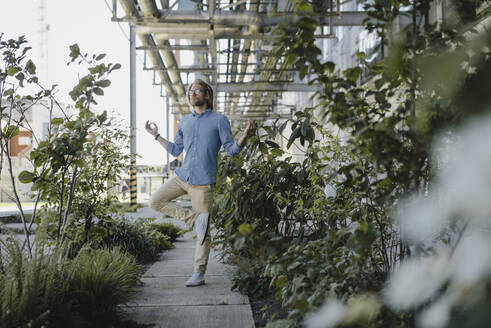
166	302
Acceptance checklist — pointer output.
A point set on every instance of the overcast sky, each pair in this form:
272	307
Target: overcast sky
88	23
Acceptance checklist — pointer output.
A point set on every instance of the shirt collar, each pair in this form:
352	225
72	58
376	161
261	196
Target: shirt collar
204	113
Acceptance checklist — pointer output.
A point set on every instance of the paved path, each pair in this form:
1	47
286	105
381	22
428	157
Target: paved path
166	302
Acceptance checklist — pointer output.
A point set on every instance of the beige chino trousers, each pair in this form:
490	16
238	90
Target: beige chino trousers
201	199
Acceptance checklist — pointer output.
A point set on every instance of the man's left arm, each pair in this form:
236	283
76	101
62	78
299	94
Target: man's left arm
225	132
245	134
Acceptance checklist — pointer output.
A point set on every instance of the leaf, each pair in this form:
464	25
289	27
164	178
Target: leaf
26	177
282	127
115	67
310	133
330	67
102	118
305	126
12	70
57	121
99	91
30	67
379	83
101	56
103	83
280	282
293	136
352	74
10	131
9	93
245	229
74	51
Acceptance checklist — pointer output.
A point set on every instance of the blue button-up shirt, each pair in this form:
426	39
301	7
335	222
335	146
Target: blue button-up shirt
201	136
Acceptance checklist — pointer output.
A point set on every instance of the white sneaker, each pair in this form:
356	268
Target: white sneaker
201	226
197	279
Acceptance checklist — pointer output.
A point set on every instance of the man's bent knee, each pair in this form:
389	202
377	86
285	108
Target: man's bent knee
156	203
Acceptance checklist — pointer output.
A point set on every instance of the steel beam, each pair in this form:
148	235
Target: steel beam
176	20
177	47
266	87
182	69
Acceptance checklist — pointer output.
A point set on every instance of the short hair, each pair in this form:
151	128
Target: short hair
208	89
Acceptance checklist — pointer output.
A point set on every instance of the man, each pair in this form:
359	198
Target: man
200	134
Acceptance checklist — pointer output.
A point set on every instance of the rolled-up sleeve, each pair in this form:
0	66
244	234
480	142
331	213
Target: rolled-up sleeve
175	148
226	137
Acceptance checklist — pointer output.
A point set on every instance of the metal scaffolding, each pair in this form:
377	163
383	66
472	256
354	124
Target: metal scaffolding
226	43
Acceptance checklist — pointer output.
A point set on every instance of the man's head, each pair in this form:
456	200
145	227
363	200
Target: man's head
200	93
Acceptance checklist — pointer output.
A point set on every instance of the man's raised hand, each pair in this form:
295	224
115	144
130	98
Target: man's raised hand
249	126
151	128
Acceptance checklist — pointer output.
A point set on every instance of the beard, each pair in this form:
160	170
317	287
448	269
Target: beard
199	103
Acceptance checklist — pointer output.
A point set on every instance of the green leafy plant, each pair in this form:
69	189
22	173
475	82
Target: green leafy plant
17	72
103	278
32	289
81	164
137	238
167	229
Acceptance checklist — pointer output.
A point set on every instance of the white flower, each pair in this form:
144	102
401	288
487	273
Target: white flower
329	315
436	315
420	219
415	282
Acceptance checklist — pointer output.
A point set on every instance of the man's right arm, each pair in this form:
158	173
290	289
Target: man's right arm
164	142
175	148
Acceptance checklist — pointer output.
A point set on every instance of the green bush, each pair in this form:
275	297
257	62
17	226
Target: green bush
124	206
308	272
168	229
50	289
281	230
103	278
32	289
137	238
15	218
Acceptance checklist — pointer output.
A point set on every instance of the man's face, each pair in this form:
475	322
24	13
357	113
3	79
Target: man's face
197	99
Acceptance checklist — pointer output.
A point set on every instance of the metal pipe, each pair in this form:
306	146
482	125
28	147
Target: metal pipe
267	86
167	133
115	9
149	9
235	4
133	186
129	8
177	47
148	41
170	61
247	18
205	70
